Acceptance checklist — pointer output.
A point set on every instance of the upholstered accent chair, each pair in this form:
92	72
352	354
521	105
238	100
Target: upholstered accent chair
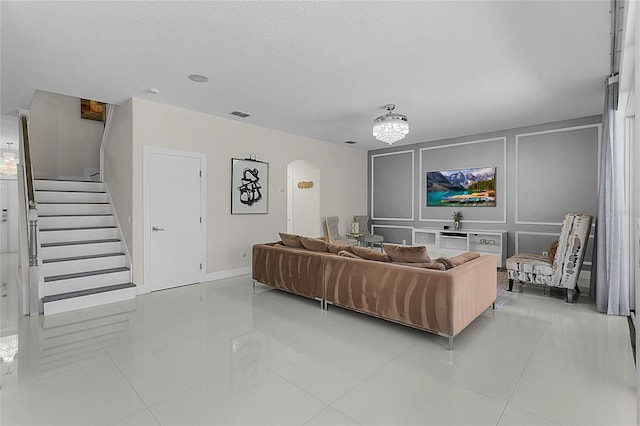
560	269
369	238
334	236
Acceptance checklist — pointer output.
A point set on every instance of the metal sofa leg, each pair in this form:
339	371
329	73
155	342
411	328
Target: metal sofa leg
510	284
571	292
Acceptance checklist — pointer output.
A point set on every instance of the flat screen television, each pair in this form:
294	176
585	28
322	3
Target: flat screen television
472	187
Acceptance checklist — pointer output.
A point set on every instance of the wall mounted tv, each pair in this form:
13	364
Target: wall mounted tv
473	187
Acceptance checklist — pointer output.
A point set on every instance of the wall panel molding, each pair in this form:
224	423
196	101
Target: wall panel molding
373	192
516	166
502	175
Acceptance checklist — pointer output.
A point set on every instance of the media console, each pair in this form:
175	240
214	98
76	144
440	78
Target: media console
449	242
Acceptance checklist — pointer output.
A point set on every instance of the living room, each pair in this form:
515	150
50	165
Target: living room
519	113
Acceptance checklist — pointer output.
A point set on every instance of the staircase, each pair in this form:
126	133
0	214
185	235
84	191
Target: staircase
83	261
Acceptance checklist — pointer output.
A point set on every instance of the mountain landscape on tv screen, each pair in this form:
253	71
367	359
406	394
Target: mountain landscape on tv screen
462	187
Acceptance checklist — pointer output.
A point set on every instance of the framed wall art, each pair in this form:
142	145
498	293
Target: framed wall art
249	186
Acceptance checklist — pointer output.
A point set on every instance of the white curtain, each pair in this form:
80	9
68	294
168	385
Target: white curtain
610	270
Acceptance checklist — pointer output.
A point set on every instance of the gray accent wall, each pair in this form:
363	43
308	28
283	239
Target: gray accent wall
393	174
542	172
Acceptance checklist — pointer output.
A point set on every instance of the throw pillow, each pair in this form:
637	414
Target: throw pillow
291	240
445	262
553	248
370	254
345	253
407	254
313	244
464	258
336	248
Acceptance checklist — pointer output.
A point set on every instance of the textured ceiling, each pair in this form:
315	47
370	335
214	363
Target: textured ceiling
319	69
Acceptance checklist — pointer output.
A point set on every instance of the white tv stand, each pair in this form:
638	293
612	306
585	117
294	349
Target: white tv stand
450	242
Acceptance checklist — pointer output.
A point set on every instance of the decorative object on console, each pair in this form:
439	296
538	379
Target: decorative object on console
369	239
390	127
355	228
249	186
474	187
457	217
334	236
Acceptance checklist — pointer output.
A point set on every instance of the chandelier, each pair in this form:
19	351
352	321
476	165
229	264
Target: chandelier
9	163
8	347
390	127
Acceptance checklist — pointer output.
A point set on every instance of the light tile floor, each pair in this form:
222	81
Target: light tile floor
215	353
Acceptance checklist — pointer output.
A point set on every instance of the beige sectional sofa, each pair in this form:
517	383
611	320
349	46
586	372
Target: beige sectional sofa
438	301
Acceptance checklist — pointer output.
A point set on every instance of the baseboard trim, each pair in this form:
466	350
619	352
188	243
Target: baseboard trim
209	276
229	273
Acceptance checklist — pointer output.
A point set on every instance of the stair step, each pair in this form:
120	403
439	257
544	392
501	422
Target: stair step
73	243
50	209
81	234
71	190
53	196
92	256
77	228
80	293
84	274
80	248
72	202
68	221
40	216
80	264
68	185
70	301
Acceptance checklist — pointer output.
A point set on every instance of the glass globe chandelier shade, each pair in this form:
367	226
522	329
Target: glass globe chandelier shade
8	347
9	164
390	127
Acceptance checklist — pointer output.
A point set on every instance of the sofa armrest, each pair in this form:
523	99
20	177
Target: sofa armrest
474	288
297	271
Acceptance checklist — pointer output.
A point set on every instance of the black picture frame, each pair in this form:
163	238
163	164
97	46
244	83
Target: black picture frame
249	186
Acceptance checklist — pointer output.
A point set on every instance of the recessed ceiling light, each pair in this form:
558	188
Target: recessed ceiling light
240	114
153	90
198	78
350	142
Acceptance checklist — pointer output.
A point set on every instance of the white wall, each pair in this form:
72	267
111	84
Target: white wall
8	185
118	167
9	130
304	204
62	144
343	169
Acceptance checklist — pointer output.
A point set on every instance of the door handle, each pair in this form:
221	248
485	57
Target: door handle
156	229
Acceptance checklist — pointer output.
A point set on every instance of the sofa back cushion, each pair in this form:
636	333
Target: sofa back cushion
346	253
314	244
464	258
337	248
291	240
370	254
406	254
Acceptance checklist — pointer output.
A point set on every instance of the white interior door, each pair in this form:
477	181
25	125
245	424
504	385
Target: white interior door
174	220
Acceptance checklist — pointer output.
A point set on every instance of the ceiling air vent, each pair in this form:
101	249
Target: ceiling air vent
350	142
240	114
